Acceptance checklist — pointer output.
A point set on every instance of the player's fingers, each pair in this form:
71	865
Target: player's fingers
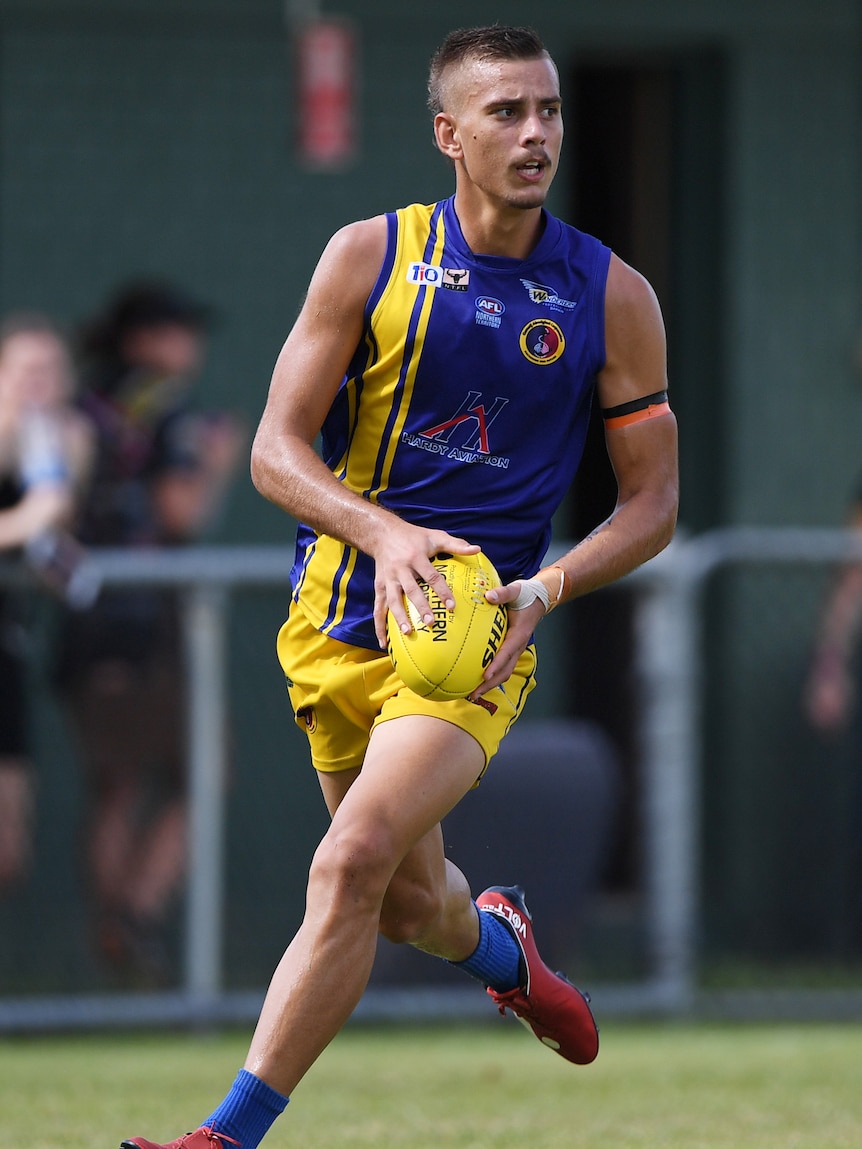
501	667
390	598
381	610
518	634
417	581
442	542
500	671
504	594
394	596
434	580
416	592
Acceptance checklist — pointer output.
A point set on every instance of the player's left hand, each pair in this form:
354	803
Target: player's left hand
522	624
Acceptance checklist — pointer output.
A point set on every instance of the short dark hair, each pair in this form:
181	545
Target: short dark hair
490	42
140	304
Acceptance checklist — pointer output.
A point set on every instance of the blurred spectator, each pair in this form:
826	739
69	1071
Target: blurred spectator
45	455
830	690
161	471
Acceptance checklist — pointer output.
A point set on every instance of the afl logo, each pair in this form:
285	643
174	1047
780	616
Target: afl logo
542	342
489	305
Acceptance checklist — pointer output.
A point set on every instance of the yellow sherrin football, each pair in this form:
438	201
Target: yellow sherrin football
447	659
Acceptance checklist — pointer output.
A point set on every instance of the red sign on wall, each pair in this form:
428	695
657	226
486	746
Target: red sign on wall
326	93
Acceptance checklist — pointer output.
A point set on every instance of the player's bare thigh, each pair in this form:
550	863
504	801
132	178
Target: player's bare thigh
423	868
416	769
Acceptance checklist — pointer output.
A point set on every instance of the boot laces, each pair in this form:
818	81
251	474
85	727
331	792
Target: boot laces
212	1134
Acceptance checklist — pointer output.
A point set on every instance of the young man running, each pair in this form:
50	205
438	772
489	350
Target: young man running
449	355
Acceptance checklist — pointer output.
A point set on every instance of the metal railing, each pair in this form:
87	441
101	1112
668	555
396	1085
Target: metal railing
669	661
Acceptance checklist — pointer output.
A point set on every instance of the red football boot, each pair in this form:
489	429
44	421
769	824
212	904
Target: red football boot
203	1138
547	1003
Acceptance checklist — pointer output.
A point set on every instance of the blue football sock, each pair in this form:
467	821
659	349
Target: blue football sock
496	960
248	1110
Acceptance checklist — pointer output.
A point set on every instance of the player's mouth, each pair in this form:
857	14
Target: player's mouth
532	171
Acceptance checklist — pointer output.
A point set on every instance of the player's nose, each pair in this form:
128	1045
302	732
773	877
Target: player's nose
535	129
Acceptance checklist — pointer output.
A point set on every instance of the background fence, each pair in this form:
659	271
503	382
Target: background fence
745	824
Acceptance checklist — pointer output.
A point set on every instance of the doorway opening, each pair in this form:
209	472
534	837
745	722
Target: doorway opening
647	181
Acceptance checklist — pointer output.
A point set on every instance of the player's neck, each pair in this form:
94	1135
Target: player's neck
492	229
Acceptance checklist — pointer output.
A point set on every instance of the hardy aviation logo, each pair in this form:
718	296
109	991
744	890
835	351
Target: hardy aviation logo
547	297
465	436
430	275
542	342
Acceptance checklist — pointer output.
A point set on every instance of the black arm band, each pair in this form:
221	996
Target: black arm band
635	405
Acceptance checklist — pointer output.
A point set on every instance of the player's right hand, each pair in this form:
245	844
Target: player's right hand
402	559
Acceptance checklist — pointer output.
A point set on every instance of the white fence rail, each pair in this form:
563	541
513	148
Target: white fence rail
669	662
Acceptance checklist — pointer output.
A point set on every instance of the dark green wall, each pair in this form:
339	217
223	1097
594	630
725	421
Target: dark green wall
157	137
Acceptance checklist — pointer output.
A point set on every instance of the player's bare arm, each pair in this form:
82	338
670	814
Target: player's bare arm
643	453
644	458
285	467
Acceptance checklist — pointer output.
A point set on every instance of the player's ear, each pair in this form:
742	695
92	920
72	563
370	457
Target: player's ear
446	135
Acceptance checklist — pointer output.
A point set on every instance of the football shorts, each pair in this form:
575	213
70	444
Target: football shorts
340	692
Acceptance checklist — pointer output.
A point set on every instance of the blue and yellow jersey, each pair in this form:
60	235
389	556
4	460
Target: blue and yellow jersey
466	405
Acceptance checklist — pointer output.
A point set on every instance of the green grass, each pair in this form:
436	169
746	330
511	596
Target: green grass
792	975
677	1086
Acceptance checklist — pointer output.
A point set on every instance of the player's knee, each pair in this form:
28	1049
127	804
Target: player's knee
409	910
355	865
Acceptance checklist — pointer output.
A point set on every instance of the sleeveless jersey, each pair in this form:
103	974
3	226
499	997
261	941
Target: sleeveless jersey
466	405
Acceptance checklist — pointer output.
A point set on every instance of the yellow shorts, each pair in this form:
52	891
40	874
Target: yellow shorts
339	693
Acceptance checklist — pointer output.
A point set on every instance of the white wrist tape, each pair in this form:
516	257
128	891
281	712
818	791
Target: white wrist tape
531	589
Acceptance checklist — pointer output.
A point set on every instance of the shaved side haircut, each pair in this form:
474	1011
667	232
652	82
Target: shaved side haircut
492	42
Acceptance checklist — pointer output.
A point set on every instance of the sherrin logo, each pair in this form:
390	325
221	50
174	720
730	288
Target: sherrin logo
542	342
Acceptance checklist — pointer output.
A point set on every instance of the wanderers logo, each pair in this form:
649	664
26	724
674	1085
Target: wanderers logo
542	342
547	297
